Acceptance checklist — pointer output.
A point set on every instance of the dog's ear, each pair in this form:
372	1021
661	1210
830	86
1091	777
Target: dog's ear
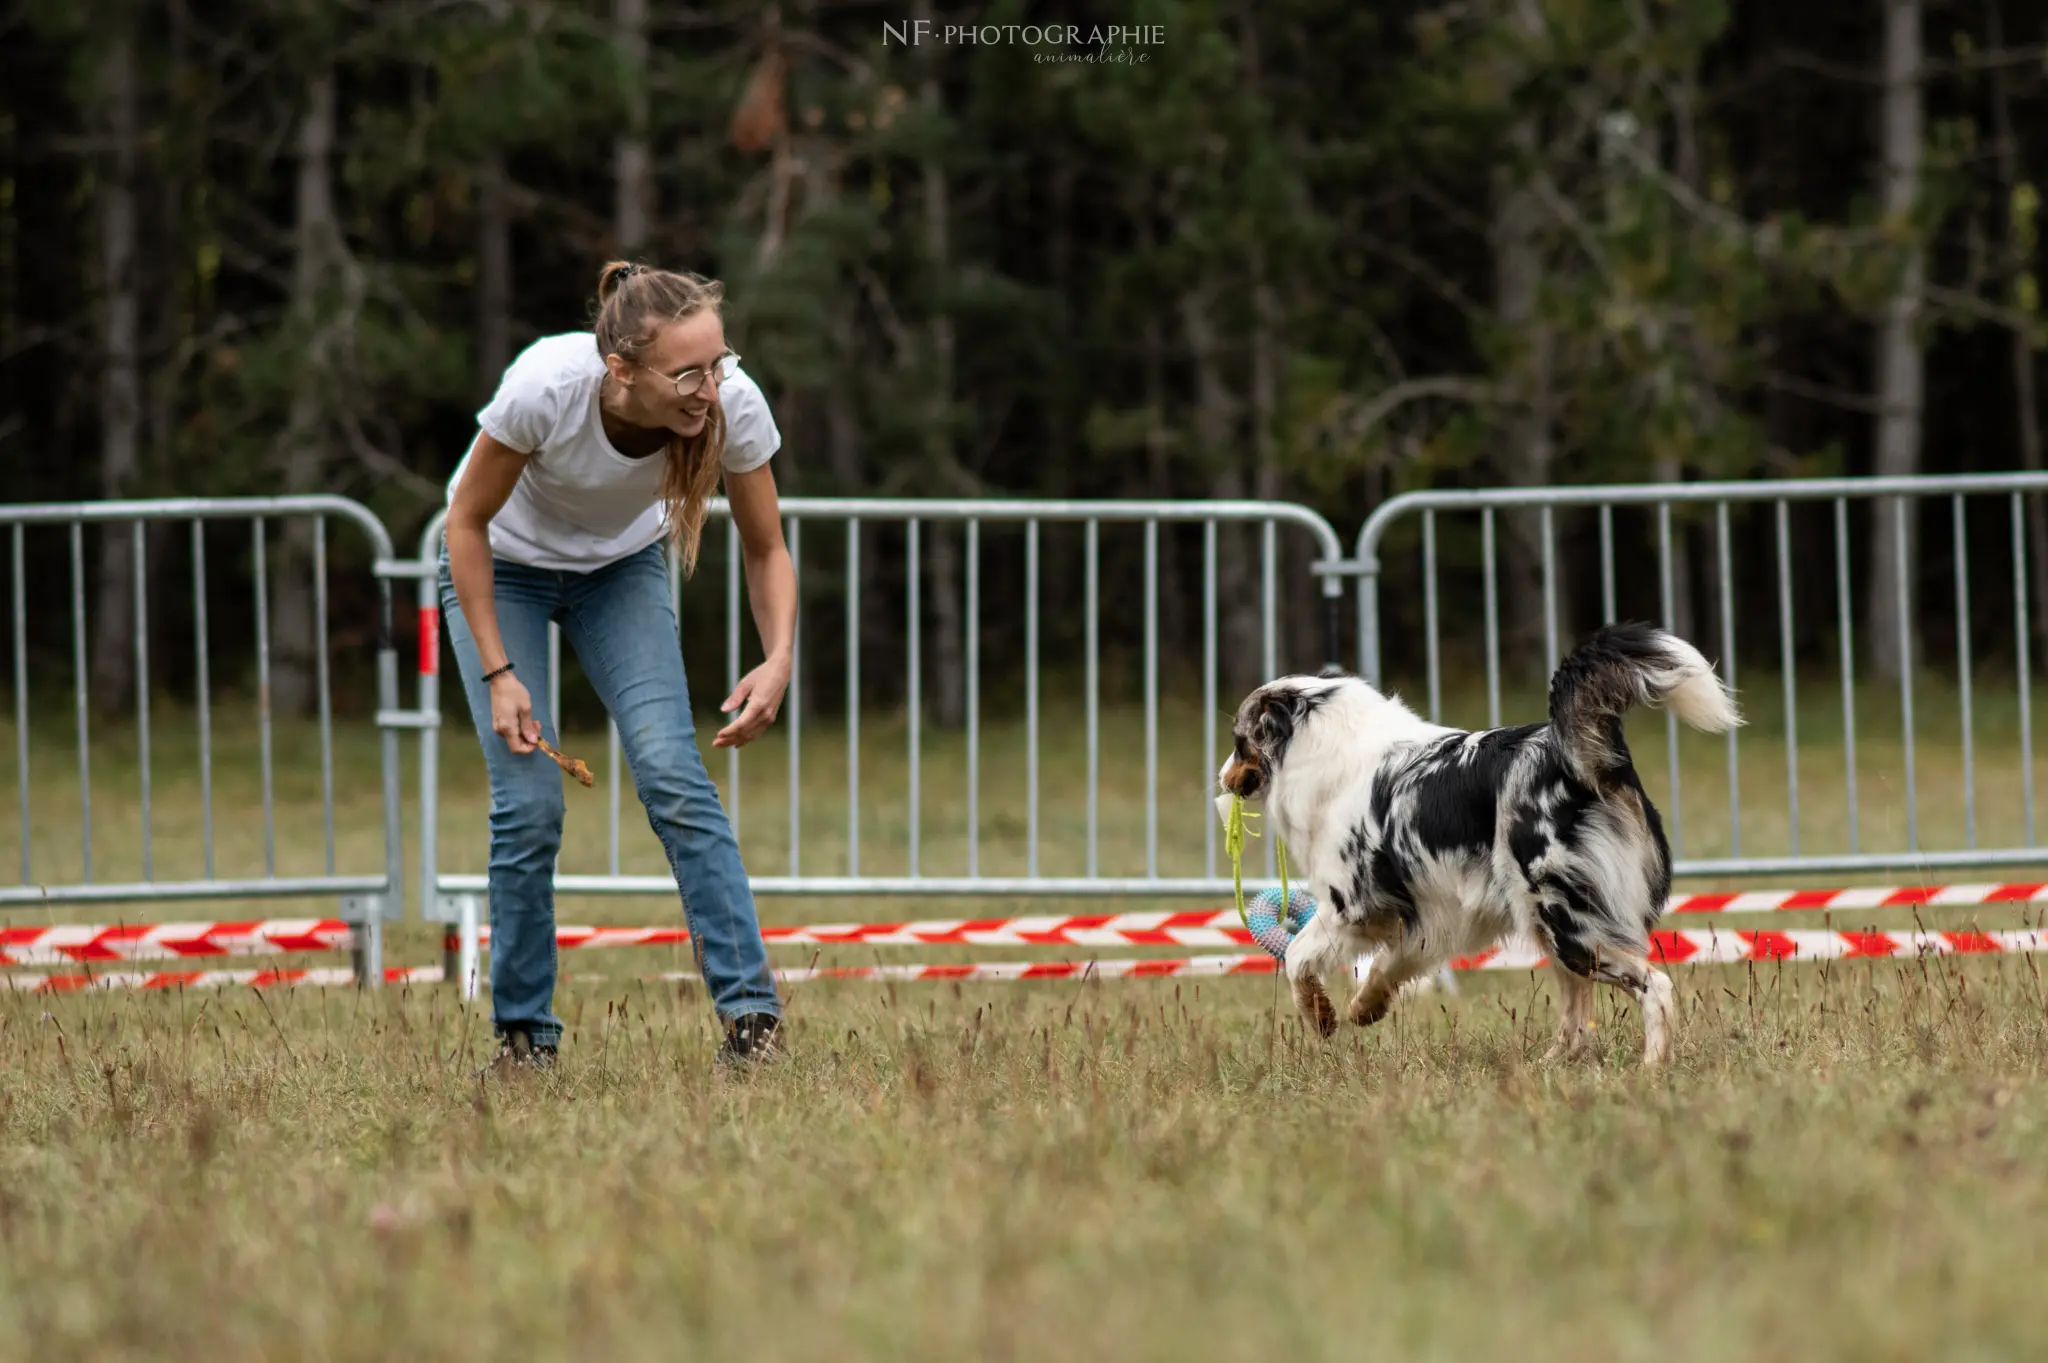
1333	672
1279	714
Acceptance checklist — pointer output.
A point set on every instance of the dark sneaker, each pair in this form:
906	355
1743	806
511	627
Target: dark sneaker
754	1037
518	1055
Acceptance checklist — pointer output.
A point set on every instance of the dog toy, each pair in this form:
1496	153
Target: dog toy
573	765
1276	916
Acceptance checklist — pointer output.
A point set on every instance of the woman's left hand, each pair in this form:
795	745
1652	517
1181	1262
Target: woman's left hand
758	699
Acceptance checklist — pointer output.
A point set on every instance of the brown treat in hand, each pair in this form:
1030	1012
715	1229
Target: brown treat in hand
573	765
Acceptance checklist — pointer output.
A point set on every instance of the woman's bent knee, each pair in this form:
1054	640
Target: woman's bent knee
526	821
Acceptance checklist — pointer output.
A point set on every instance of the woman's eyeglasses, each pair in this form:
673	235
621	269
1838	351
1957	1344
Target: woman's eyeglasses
692	379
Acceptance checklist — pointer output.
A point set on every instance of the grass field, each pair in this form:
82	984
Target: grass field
1842	1164
1843	1161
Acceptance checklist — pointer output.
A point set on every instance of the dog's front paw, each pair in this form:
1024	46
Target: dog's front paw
1315	1005
1368	1006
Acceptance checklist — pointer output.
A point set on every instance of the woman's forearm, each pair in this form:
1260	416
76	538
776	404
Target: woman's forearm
470	568
771	591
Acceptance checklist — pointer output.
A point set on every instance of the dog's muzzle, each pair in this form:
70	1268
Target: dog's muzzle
1242	779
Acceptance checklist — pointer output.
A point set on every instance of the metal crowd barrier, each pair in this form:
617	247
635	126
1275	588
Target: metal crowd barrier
1628	542
367	897
1578	517
1075	870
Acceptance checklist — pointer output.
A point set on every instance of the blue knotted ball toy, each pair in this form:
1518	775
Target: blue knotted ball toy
1275	919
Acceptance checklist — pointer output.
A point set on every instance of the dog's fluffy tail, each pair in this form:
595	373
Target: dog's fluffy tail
1621	667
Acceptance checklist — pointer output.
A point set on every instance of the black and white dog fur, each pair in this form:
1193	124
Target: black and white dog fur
1422	843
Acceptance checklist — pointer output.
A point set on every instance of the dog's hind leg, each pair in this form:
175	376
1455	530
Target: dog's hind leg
1575	1002
1651	988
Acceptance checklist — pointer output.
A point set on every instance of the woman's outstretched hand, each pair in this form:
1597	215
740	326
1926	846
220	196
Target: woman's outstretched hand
512	713
757	699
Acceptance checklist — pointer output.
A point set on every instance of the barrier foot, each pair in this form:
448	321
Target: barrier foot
366	953
462	948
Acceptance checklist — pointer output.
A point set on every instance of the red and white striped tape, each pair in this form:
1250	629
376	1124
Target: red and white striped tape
1222	928
80	943
1901	897
326	977
1693	947
1186	928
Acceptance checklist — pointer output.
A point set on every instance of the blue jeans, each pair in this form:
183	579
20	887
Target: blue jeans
622	624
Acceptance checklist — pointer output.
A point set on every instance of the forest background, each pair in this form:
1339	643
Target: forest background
1309	250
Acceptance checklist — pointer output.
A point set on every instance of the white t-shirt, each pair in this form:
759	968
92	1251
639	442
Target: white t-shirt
580	504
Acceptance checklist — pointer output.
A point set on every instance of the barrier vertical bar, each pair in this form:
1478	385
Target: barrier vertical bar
1093	552
613	791
263	696
1152	699
1962	562
1549	591
79	696
369	935
1031	696
138	565
1268	600
460	940
20	595
1668	602
324	687
1787	666
1431	626
613	743
1369	613
2022	614
974	697
204	686
1725	552
469	949
555	684
794	534
732	682
1845	630
914	632
1211	758
853	696
1607	604
1905	612
1487	554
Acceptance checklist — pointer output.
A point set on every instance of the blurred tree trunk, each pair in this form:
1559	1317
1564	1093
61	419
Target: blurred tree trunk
632	163
2019	230
317	327
1296	593
1693	555
1239	581
1174	600
1901	363
113	646
950	702
1290	564
493	276
493	259
1527	448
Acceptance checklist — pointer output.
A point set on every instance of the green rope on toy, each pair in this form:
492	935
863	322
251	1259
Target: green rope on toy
1233	845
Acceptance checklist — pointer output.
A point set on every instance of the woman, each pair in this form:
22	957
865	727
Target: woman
598	446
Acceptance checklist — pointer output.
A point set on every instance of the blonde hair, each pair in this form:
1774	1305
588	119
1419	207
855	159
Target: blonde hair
634	302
